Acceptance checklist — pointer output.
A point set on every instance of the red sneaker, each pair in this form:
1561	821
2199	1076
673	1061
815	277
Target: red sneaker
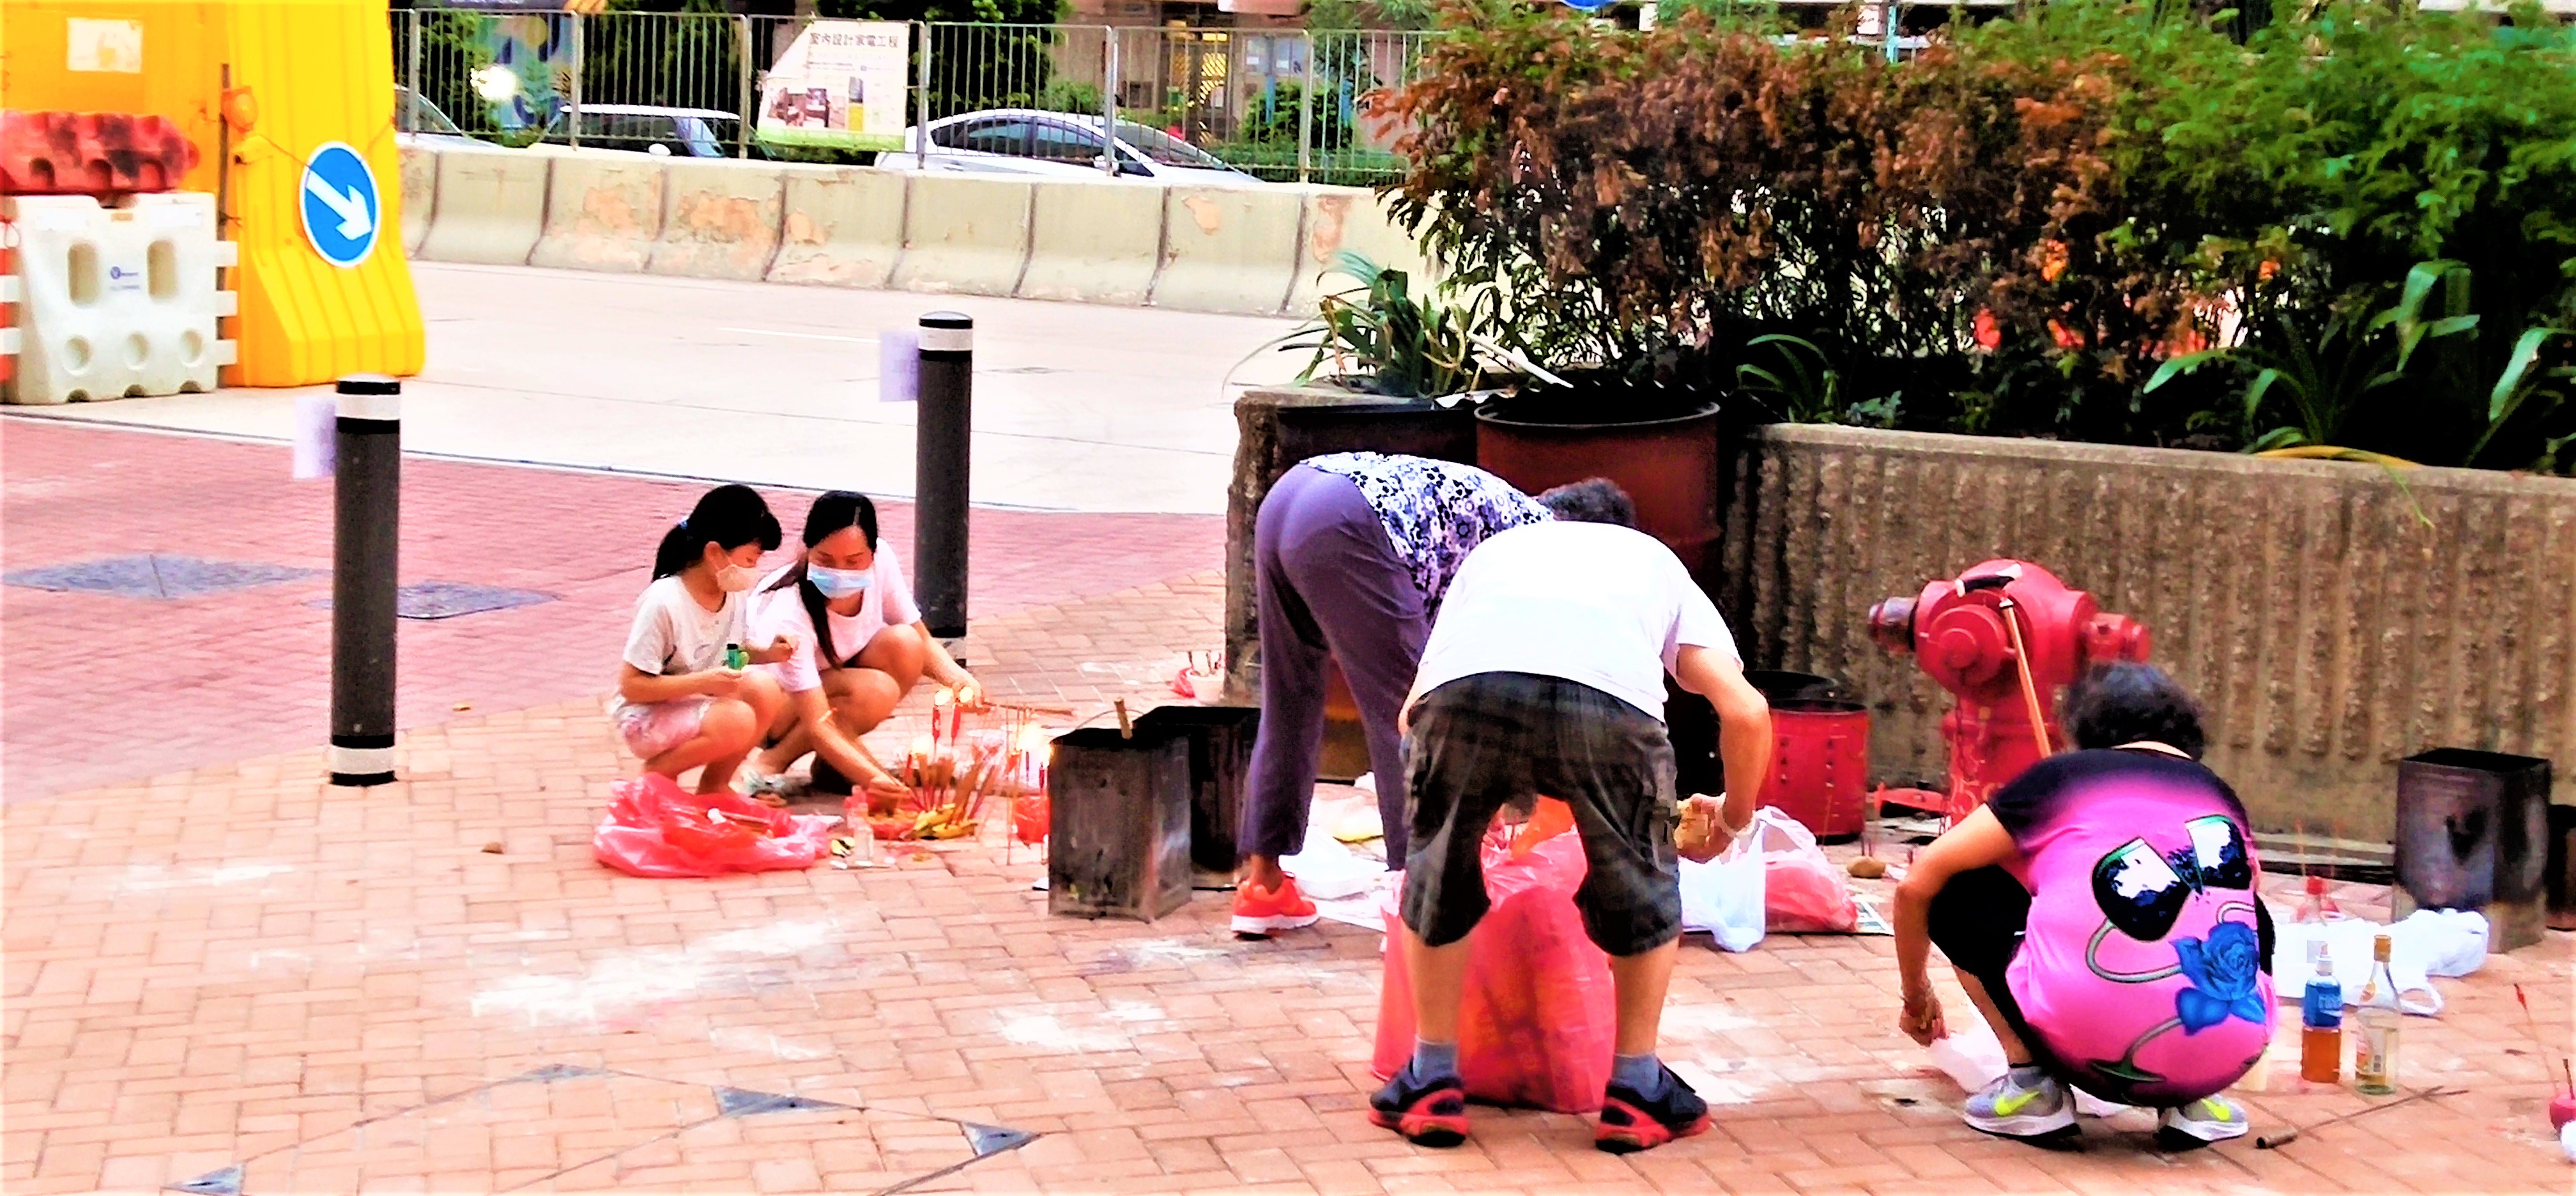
1259	911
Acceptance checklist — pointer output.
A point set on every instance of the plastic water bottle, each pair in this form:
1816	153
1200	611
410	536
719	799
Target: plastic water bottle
2321	1019
2374	1059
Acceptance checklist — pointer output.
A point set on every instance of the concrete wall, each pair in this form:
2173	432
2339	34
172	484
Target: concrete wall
1257	251
2332	619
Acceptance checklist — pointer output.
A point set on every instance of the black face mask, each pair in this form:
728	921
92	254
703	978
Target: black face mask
2142	892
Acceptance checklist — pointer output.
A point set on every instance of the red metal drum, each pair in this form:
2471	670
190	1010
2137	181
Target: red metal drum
1820	764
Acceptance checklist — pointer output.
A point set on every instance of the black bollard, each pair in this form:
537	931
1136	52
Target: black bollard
946	421
363	561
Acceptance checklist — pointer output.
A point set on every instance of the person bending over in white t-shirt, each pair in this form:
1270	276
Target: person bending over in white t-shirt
678	704
860	646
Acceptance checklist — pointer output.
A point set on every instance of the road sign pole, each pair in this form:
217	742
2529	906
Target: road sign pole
940	438
364	559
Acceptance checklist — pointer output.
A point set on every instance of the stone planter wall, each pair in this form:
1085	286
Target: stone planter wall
2332	619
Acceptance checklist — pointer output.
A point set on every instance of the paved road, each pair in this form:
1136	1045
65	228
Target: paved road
97	688
1078	407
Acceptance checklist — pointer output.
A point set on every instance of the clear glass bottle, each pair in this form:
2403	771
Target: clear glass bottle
2374	1059
2321	1019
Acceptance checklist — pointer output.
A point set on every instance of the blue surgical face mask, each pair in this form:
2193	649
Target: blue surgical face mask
837	583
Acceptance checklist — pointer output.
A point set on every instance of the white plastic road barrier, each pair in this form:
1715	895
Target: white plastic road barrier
419	195
843	227
1093	241
602	213
117	302
1228	250
491	206
722	221
965	235
1349	218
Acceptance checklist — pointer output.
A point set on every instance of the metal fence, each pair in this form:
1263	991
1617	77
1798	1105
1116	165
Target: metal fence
1282	105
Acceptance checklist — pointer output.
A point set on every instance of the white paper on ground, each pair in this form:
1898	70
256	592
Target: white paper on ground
1365	910
1972	1057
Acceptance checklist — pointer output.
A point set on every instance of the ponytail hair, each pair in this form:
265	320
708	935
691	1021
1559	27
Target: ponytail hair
727	517
833	511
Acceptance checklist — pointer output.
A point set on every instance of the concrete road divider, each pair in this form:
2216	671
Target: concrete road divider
1228	250
602	212
419	195
496	206
1349	218
965	234
842	227
722	220
1093	242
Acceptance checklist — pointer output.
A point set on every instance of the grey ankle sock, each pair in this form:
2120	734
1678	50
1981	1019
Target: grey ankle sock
2028	1076
1434	1061
1641	1074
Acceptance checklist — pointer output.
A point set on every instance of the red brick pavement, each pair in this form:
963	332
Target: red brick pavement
95	689
236	965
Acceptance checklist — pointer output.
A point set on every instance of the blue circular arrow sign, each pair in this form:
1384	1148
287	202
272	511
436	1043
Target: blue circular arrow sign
341	208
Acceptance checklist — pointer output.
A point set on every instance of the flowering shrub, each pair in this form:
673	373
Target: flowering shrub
2012	231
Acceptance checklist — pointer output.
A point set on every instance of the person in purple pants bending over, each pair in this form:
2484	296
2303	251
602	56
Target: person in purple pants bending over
1352	554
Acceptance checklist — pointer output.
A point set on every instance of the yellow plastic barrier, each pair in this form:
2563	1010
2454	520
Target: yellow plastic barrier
603	212
419	195
304	74
1348	218
1093	242
1228	250
842	227
965	234
722	221
491	206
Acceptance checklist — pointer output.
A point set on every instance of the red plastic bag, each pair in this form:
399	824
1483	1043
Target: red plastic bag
1539	1019
655	828
1802	891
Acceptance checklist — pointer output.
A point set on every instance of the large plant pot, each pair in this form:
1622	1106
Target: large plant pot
1669	466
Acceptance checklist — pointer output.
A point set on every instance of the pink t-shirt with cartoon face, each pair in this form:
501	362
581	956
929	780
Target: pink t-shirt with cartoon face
2141	968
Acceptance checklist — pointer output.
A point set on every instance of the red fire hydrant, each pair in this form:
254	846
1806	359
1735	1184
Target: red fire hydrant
1974	635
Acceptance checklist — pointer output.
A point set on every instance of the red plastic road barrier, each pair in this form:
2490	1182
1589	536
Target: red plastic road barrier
8	300
91	153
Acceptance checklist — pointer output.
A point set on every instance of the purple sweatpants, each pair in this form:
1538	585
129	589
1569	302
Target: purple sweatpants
1327	583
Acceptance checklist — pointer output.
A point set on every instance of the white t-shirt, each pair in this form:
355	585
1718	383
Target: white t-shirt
1593	603
782	612
674	635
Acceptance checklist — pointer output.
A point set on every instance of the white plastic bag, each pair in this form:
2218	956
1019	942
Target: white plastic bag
1326	870
1724	896
2428	943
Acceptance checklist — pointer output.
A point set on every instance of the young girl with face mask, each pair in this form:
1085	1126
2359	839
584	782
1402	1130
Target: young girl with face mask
679	706
859	646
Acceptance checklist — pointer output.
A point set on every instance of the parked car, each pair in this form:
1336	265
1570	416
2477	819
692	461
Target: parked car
417	119
664	132
1068	144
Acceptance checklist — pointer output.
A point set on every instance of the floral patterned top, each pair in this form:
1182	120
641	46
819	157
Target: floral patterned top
1434	512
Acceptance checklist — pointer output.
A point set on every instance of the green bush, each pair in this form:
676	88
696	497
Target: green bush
2021	225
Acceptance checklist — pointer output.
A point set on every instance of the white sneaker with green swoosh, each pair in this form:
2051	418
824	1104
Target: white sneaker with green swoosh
2209	1119
2013	1111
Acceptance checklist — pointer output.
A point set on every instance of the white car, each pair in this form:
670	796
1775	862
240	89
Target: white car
1061	144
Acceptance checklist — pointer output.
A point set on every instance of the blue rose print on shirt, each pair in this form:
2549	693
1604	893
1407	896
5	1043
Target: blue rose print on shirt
2221	969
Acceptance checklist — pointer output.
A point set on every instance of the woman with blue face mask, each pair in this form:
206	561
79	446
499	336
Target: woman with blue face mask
860	646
